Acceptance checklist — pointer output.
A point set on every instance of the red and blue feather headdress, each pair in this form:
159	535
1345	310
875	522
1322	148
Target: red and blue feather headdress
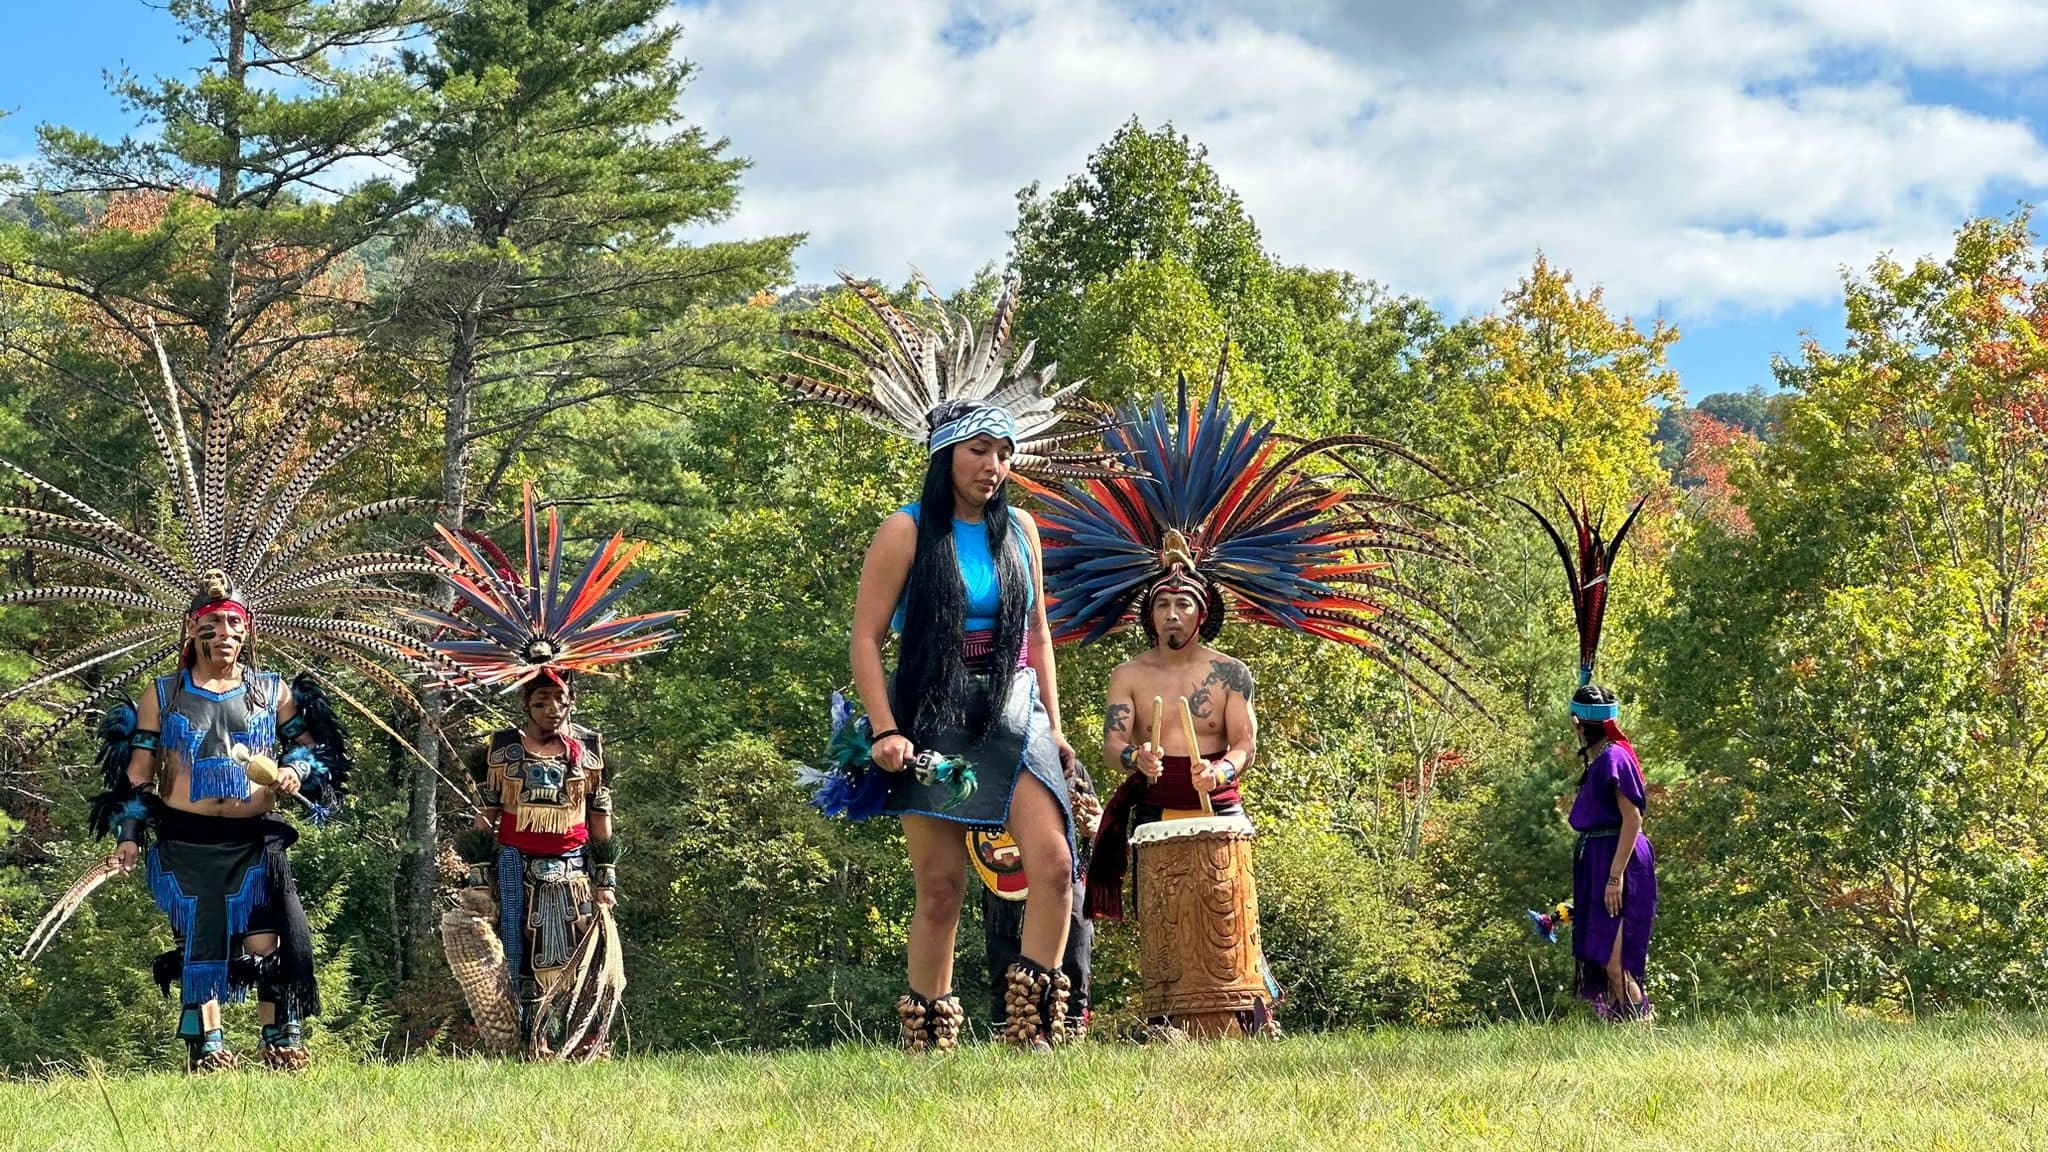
1210	501
514	628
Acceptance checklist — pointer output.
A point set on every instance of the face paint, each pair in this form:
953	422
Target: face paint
548	708
219	636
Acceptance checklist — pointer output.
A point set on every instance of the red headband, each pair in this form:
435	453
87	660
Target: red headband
232	607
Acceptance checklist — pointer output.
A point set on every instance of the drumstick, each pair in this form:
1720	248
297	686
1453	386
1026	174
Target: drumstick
1157	743
1187	727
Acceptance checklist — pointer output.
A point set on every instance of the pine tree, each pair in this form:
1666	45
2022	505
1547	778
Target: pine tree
252	183
547	271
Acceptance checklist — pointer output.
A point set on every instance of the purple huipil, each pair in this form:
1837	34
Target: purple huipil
1596	815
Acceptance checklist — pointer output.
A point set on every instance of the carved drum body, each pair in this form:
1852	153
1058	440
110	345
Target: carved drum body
1198	927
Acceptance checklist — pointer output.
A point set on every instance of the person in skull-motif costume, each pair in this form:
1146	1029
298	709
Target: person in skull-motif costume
544	795
542	860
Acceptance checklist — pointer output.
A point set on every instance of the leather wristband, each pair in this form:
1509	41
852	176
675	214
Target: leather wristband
606	875
1129	754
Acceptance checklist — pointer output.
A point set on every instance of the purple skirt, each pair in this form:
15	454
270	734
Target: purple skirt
1593	929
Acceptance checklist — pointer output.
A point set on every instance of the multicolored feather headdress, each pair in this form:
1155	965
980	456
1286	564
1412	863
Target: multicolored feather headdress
1587	578
1211	504
905	375
241	539
518	627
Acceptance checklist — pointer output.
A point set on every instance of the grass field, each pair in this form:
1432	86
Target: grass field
1811	1082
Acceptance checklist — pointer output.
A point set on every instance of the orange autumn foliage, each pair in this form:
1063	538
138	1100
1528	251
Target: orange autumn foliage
327	363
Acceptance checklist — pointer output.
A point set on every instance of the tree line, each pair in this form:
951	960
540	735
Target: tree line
1830	632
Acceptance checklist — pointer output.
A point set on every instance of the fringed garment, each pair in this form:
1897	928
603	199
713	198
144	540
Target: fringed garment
220	879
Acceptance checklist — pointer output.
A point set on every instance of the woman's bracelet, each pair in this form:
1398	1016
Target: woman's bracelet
1613	880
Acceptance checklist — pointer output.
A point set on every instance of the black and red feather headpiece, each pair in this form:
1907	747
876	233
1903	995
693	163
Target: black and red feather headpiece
1588	575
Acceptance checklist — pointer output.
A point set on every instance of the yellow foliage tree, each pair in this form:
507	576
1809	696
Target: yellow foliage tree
1572	392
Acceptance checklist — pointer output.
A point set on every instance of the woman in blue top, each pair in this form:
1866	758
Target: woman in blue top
957	575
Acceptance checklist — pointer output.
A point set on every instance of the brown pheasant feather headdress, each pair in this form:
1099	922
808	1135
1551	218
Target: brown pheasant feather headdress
242	537
906	374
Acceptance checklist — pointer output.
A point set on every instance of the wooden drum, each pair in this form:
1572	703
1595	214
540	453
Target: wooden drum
1198	926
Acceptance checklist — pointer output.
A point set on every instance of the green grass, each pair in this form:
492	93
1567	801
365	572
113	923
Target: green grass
1818	1081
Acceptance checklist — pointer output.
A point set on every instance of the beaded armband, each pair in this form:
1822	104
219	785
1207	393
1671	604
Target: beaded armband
290	730
600	800
146	740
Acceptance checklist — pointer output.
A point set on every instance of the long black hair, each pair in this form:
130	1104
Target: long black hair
931	688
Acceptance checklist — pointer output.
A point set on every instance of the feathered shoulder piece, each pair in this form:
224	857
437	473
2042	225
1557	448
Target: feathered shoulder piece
1231	513
330	739
516	626
896	373
1586	575
241	533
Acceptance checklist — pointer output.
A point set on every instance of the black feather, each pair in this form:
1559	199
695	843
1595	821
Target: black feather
476	845
329	738
117	728
167	969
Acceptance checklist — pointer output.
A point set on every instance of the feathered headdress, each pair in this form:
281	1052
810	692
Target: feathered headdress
241	542
516	627
907	374
1587	576
1209	502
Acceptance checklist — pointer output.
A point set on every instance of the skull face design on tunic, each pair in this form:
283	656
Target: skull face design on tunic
549	794
544	780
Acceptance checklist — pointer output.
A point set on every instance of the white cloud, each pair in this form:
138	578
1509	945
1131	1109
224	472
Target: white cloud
1700	157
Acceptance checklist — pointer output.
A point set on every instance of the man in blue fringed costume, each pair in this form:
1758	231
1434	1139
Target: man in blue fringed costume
218	867
197	776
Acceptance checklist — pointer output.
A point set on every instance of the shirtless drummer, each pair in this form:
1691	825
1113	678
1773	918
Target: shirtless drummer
1143	729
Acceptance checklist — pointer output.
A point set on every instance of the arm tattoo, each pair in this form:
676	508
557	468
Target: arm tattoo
1231	674
1235	676
1116	719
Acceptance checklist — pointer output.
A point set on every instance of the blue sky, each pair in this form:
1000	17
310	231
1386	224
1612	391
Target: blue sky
1713	162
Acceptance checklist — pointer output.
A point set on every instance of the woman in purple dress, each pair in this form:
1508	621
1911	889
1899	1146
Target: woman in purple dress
1614	892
